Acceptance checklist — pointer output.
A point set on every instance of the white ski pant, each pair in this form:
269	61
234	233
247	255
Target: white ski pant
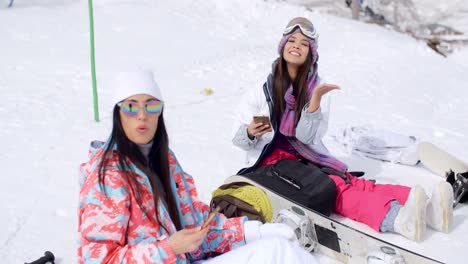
268	250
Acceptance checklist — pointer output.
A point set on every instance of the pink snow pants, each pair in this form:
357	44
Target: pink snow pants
366	202
361	200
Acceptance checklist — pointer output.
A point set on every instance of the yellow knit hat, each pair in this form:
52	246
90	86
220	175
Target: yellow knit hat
252	195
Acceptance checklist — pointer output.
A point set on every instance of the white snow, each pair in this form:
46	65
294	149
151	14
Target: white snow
388	80
452	13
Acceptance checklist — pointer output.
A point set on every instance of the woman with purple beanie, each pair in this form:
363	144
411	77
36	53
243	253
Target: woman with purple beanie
292	99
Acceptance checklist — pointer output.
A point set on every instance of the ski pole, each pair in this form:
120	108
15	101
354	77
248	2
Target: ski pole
93	65
48	257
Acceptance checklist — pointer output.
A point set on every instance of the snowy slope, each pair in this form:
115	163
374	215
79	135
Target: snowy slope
452	13
388	80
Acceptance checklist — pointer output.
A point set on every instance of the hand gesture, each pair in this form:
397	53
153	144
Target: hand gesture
257	129
317	94
187	240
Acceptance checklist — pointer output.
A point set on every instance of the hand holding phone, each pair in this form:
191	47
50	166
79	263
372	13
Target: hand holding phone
259	126
264	120
210	217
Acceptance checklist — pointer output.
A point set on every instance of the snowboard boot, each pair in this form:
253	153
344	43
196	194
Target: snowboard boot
301	224
459	184
439	214
411	219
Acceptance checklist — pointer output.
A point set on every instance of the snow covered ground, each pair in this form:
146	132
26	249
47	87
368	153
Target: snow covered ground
388	80
452	13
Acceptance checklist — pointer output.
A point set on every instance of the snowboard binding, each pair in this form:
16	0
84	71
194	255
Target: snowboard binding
459	184
301	224
386	255
47	258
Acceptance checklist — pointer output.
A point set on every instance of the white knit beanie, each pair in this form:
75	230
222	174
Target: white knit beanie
129	83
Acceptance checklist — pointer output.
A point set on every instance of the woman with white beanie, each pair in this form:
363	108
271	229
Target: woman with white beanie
137	205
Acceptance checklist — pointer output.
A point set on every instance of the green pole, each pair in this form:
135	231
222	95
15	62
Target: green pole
93	65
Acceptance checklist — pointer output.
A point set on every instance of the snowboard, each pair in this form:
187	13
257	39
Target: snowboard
338	240
438	160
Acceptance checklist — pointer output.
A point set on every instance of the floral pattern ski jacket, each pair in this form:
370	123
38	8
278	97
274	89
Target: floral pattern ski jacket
113	228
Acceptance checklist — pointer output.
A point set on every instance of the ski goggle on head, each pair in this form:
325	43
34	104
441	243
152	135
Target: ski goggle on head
306	27
131	108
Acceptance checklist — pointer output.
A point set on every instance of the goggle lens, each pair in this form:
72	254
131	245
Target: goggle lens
308	32
132	108
306	27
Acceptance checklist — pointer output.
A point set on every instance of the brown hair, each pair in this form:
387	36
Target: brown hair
282	81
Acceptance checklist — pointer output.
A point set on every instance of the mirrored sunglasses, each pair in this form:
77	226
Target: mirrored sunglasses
132	108
307	29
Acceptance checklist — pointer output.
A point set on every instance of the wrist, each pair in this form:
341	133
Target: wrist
314	103
313	107
251	137
251	231
173	246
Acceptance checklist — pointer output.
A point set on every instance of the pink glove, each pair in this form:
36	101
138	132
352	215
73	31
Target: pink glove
254	230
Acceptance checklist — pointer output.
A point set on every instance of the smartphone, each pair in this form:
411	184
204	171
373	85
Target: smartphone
265	120
210	217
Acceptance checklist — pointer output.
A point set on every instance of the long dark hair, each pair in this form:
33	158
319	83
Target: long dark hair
157	164
281	82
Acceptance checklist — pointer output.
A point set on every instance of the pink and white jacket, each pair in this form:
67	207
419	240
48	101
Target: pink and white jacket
115	229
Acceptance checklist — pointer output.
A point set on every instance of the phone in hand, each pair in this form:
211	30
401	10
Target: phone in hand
210	217
265	120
